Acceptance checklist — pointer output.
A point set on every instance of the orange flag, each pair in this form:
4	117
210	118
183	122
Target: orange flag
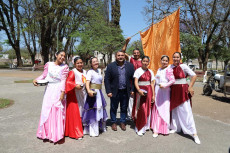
162	38
83	78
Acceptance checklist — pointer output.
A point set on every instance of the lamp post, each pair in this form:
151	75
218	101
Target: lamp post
57	33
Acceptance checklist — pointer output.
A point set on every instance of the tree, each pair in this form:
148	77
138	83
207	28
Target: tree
149	11
62	18
199	18
100	34
189	46
116	14
10	23
29	28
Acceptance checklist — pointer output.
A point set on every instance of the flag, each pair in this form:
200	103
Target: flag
162	38
83	78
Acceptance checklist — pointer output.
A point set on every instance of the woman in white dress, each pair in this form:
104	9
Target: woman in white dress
180	104
160	116
94	115
80	80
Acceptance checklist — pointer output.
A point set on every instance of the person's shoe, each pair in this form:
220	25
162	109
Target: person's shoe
196	139
123	127
80	138
172	131
140	134
155	135
114	127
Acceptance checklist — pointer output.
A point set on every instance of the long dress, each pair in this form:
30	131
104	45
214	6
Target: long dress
73	127
94	115
182	117
160	116
136	64
80	79
52	120
142	104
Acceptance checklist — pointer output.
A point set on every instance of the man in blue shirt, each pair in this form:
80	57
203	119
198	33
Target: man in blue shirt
119	85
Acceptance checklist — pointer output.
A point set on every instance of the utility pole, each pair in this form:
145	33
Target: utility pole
153	12
57	33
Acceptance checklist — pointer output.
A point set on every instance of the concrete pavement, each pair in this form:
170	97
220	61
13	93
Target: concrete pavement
18	125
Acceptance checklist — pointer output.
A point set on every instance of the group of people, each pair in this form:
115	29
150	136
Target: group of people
73	103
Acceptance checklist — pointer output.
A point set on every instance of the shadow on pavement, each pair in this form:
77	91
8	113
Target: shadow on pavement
185	135
221	99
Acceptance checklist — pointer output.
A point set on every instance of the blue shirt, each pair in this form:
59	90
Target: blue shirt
122	78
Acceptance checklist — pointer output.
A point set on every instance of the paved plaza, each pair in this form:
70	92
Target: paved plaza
18	125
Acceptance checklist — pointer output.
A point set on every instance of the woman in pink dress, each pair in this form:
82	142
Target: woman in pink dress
52	120
160	118
144	83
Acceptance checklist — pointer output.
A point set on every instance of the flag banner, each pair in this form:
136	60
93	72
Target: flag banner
162	38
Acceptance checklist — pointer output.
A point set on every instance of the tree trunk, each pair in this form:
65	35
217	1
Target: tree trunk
105	64
18	55
206	56
32	59
226	62
200	59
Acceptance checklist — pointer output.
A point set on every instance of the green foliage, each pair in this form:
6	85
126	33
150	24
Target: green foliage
24	53
11	53
189	46
225	54
134	45
98	35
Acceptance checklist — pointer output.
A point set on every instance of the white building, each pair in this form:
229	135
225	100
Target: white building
4	56
100	57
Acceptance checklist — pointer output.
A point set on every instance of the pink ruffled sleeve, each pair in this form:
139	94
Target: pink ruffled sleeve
44	74
64	76
170	76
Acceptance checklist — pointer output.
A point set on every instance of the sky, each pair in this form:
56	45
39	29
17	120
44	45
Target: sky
132	20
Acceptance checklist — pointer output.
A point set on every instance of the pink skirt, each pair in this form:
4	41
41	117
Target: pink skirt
158	125
54	127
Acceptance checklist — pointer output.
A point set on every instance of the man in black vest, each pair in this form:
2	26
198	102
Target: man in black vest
119	85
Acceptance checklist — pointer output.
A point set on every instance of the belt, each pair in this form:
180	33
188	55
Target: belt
122	89
181	81
95	86
143	83
53	82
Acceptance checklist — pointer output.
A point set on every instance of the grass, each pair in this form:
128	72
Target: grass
4	66
24	81
5	103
